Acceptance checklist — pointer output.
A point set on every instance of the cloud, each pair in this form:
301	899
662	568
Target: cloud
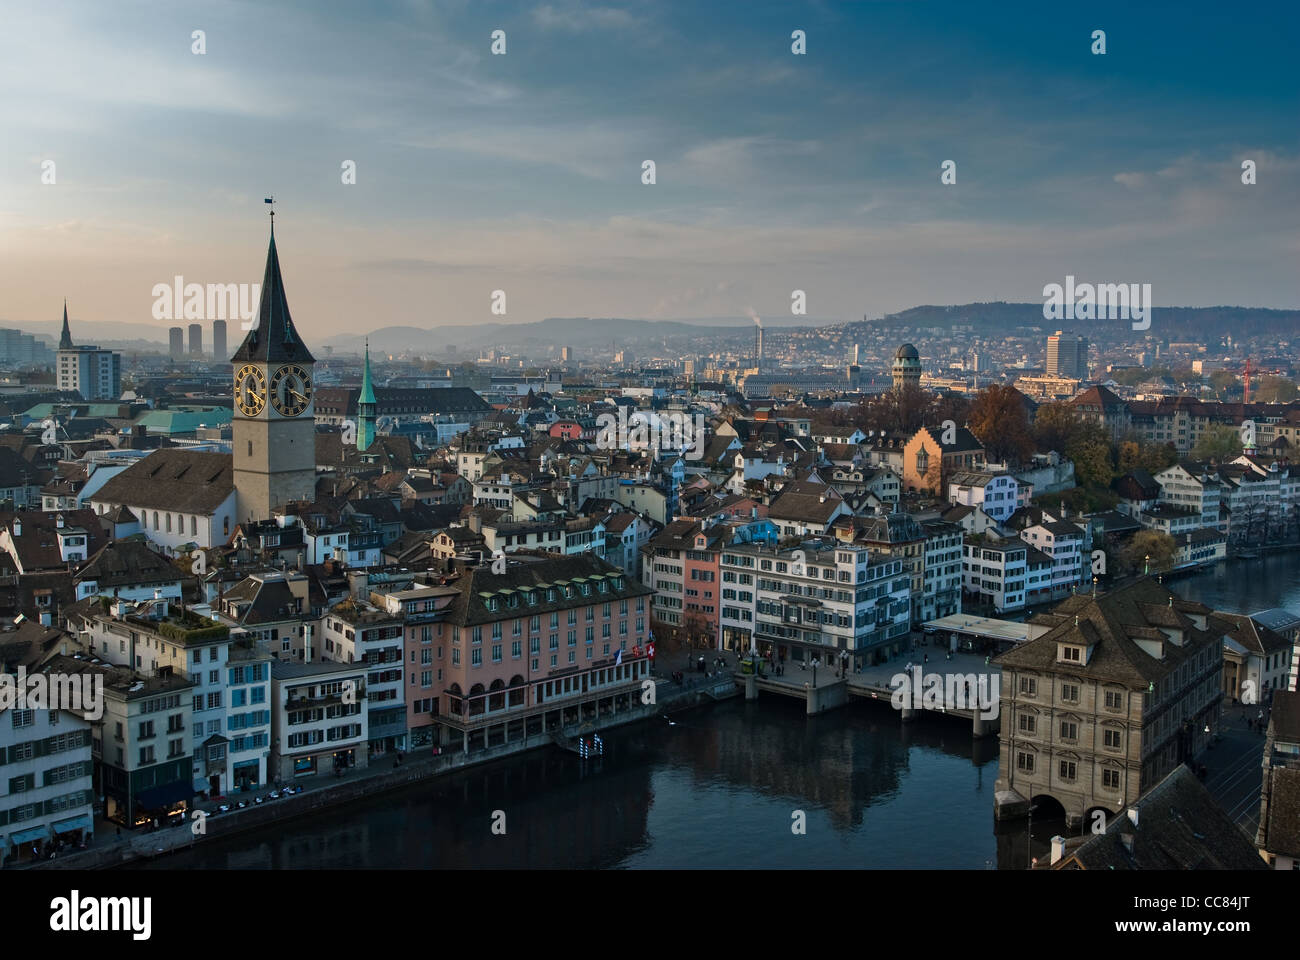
575	18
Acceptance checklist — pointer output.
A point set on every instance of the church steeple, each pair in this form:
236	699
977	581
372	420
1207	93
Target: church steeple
366	405
65	338
274	339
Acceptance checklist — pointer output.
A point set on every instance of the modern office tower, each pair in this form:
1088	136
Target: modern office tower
18	349
176	342
94	373
1067	356
196	339
219	341
566	354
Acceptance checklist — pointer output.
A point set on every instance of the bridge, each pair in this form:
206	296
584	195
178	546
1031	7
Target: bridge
975	683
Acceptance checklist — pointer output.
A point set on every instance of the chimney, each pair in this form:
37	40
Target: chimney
18	526
46	619
1058	849
1133	815
58	521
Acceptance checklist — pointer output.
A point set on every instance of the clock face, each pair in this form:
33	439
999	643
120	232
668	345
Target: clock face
250	390
290	390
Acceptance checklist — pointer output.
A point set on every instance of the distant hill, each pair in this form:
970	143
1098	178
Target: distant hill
1190	323
553	331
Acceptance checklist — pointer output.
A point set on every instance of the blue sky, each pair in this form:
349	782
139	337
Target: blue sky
522	172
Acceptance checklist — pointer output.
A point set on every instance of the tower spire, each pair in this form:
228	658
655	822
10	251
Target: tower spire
274	339
65	338
366	406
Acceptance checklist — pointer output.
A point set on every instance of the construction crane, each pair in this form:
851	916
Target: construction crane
1245	397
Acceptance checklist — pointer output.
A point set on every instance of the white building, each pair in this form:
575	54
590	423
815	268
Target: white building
998	494
318	718
818	601
46	789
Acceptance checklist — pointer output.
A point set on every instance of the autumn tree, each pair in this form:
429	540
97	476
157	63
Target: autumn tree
1056	425
1218	445
1089	449
1149	550
1224	383
1274	390
998	418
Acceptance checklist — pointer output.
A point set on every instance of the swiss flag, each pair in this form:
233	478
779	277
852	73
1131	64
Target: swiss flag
650	650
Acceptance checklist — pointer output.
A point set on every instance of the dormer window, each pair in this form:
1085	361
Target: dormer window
1070	654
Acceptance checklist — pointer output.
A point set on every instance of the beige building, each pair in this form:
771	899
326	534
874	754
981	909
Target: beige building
1125	686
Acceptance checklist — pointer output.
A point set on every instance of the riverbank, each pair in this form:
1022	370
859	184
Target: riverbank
328	793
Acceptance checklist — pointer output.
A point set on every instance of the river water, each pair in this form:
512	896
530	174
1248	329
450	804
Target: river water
722	786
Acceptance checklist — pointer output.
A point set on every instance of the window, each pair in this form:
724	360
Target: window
1070	692
1029	686
1028	723
1114	700
1025	762
1069	730
1068	770
1111	738
23	718
1110	779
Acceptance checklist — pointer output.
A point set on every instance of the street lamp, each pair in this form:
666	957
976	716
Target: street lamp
1029	839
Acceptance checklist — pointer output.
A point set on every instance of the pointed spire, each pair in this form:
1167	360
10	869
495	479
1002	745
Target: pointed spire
65	338
274	339
367	390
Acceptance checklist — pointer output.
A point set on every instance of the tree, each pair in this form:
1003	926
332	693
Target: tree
1160	547
1274	390
1056	425
1218	445
1089	448
998	418
1135	454
1224	383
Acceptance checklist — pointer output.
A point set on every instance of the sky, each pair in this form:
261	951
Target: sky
522	172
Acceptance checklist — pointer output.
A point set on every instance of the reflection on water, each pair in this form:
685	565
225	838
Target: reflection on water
716	789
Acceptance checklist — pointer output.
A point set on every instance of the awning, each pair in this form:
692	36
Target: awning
156	798
72	823
27	836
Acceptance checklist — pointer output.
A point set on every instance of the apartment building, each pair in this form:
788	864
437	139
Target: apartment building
46	781
551	642
357	631
995	571
996	493
318	718
1123	687
423	609
1194	488
941	579
818	600
154	638
680	565
1067	544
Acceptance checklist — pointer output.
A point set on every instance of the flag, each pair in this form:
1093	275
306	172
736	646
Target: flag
268	200
618	657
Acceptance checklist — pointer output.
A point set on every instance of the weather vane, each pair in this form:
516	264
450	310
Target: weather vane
271	200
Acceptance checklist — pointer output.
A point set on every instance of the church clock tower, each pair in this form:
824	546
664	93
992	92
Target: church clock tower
273	428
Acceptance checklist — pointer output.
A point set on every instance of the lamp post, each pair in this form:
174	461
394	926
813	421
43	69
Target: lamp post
1029	839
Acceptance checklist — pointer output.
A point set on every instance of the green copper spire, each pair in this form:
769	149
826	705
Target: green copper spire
366	407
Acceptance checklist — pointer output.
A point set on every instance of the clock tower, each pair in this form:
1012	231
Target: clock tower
273	428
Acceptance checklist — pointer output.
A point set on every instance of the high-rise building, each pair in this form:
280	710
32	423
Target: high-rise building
273	430
1067	356
94	373
907	367
176	342
18	349
219	341
196	340
566	354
